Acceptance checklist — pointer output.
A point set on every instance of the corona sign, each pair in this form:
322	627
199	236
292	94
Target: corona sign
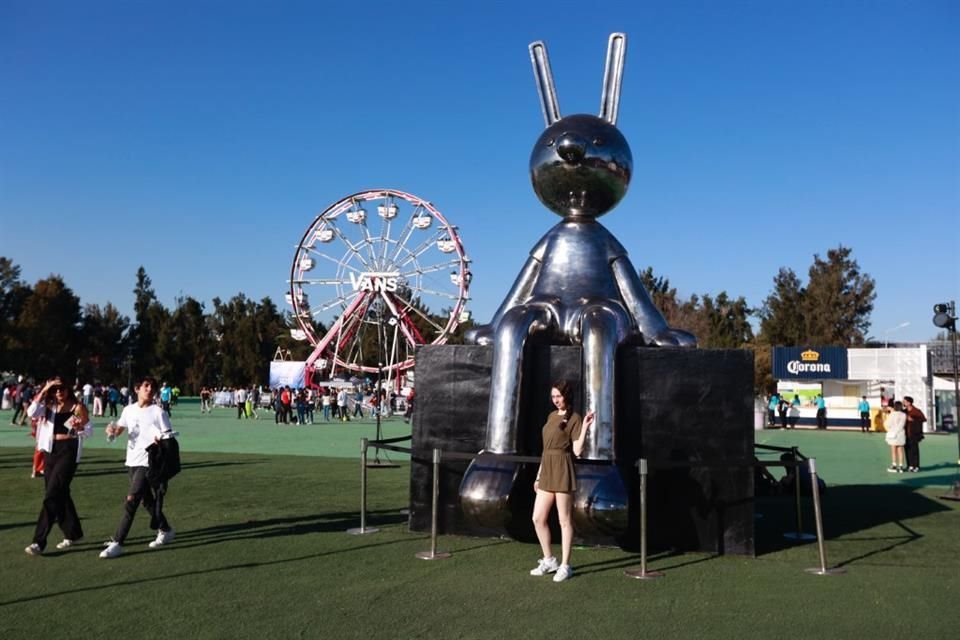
817	364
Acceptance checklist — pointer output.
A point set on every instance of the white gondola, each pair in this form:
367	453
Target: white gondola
456	279
301	298
306	263
298	334
357	216
446	245
324	234
464	316
422	222
387	211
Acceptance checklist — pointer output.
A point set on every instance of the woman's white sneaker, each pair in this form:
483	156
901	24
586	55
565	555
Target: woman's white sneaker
565	571
545	566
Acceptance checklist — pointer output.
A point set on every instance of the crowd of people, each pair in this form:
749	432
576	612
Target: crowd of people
901	421
306	405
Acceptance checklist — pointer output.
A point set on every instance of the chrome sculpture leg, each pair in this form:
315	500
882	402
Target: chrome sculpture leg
601	501
604	327
487	484
515	327
485	491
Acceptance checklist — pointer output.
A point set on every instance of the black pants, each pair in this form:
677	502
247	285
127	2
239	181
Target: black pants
59	467
138	492
912	451
864	421
821	418
113	409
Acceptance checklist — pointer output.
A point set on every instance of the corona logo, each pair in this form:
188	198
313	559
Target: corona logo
384	282
810	356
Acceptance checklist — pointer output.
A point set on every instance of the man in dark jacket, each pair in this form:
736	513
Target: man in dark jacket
915	420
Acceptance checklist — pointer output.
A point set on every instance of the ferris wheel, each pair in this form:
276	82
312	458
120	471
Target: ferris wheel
375	275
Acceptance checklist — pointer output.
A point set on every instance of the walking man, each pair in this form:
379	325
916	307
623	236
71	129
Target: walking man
145	423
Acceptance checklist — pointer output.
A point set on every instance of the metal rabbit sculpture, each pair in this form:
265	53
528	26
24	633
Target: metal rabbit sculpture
577	287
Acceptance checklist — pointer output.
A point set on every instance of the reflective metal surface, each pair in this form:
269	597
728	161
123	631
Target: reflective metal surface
580	166
577	287
485	492
600	504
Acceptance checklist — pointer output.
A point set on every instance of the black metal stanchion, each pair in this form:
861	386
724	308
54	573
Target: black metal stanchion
799	534
363	529
642	573
822	570
433	554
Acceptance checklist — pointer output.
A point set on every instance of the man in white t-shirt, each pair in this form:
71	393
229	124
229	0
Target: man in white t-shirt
240	396
145	423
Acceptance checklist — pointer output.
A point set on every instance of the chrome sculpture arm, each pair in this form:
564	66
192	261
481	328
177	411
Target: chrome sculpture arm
650	321
519	293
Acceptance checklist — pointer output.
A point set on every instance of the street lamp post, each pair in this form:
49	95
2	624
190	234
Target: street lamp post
945	317
886	340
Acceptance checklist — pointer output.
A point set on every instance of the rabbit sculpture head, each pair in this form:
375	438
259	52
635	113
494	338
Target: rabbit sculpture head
581	164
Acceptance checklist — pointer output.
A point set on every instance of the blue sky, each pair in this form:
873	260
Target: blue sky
201	138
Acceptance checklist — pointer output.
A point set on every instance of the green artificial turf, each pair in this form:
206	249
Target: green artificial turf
262	552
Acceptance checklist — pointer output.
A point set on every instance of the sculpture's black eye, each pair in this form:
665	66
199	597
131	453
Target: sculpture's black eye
598	142
551	142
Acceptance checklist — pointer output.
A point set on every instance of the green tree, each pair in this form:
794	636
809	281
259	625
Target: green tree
13	294
104	343
48	330
781	316
838	301
833	309
247	335
150	316
185	348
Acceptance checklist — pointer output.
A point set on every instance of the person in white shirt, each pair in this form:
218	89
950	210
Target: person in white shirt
343	403
145	423
240	396
87	395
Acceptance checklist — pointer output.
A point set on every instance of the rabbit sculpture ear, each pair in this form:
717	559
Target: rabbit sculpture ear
612	75
544	78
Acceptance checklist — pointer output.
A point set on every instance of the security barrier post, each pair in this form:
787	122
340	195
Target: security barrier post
799	534
363	529
433	554
822	570
642	573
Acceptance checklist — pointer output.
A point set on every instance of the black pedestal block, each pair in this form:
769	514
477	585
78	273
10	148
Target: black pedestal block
689	412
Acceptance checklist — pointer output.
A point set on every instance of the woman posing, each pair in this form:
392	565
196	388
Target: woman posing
895	423
563	436
62	425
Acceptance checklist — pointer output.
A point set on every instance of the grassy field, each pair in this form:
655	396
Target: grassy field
261	513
